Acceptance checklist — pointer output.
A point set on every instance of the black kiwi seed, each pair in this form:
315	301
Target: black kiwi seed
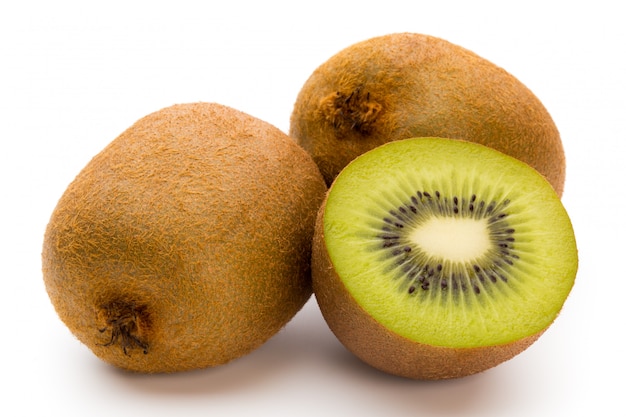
424	275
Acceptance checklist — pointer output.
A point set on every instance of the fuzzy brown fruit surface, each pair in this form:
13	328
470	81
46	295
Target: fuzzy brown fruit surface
439	258
186	242
407	85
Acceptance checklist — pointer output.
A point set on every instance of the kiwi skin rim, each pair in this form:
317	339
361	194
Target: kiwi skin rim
383	349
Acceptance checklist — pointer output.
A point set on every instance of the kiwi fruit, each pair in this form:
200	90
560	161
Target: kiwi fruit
406	85
186	242
438	258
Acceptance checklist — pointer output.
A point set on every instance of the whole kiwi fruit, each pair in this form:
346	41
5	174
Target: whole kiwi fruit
185	243
405	85
440	258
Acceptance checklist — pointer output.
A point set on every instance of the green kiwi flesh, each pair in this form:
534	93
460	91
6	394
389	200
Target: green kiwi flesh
186	242
405	85
438	258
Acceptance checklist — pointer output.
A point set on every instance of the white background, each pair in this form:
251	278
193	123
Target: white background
74	75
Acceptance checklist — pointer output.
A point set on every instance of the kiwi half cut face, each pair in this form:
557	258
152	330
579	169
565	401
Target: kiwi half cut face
437	258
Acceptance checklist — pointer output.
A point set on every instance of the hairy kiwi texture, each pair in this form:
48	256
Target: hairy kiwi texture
186	242
439	258
407	85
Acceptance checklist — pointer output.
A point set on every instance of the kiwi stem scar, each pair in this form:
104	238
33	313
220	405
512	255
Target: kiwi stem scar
124	321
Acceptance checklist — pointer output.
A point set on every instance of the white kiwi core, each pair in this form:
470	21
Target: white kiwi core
454	239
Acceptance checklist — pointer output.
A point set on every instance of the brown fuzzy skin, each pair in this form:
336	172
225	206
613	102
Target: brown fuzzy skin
407	85
186	242
386	350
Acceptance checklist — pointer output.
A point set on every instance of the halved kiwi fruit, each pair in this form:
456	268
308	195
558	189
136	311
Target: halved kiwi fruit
438	258
405	85
186	242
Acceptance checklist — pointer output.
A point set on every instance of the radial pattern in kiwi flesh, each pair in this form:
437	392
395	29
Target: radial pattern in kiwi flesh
443	244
